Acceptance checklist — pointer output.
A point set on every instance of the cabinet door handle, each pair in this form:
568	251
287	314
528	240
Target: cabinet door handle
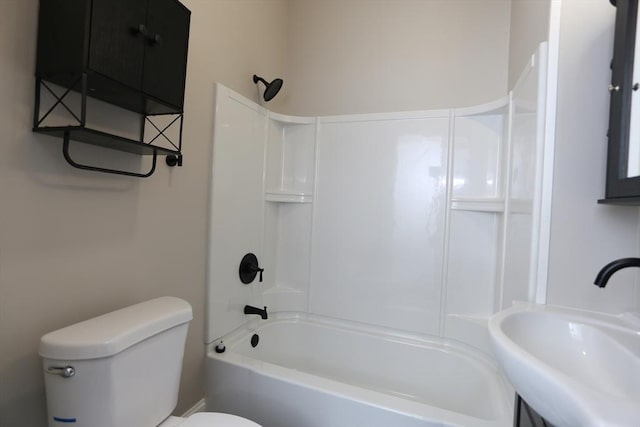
613	88
140	29
154	39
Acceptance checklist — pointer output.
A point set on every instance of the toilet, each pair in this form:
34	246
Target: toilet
122	369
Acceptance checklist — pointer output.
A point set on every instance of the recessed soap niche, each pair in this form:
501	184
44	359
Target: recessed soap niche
289	185
290	161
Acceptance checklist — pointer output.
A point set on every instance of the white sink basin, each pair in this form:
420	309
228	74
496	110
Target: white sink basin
574	368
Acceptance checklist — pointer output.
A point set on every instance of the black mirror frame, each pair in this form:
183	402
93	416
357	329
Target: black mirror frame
619	188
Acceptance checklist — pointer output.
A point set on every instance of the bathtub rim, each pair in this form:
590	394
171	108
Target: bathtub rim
371	397
232	338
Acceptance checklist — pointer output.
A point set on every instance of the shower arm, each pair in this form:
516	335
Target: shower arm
257	79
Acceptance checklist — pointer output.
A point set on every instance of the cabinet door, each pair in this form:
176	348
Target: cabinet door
623	176
117	47
165	63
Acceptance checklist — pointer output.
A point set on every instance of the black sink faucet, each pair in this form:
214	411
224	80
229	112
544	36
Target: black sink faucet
607	271
262	312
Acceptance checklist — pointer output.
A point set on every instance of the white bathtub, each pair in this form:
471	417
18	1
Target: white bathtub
309	371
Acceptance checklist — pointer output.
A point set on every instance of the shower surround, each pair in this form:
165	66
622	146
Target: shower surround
420	223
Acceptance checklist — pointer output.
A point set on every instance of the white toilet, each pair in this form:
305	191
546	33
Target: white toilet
122	370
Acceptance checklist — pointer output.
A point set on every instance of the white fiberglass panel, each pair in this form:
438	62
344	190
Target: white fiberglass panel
476	156
287	256
298	158
473	246
237	208
471	277
379	220
526	147
524	136
293	245
516	263
290	158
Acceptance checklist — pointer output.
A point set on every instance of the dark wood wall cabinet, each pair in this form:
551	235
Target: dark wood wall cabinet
129	53
623	153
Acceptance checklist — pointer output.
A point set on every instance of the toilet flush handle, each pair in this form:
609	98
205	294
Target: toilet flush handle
63	371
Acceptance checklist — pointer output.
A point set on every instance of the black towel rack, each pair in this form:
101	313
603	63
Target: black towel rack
79	132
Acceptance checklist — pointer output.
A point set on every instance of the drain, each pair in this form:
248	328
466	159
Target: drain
255	339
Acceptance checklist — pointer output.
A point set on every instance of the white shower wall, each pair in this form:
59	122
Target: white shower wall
522	204
236	216
377	245
419	221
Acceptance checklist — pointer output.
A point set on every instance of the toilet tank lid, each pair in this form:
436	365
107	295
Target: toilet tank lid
113	332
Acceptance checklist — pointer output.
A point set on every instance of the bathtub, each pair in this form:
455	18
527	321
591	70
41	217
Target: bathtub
310	371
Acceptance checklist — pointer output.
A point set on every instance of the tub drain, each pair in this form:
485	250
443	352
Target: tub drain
254	340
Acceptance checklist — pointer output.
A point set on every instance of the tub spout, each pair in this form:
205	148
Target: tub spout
607	271
262	312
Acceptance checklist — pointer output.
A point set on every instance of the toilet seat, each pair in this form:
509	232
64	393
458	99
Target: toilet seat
216	419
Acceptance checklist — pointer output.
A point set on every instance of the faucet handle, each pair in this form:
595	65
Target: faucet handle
249	268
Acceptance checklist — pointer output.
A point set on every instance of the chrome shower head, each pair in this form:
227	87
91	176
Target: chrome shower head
271	89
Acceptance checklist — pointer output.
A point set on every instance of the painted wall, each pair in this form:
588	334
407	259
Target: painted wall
361	56
76	244
528	28
585	235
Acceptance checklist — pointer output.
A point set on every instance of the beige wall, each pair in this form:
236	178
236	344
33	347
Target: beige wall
76	244
357	56
529	27
585	235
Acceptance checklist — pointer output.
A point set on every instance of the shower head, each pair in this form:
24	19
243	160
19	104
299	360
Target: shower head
271	89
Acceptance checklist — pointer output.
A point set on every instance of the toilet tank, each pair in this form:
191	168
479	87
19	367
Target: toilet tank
121	369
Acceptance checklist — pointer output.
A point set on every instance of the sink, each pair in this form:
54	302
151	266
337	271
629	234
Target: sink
575	368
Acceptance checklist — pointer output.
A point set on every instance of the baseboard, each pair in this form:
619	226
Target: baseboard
200	406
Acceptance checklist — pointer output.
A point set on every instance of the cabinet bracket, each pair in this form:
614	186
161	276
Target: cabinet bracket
171	160
65	152
79	132
161	132
59	100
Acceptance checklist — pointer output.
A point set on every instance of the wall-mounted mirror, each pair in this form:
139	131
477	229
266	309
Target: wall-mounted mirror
623	157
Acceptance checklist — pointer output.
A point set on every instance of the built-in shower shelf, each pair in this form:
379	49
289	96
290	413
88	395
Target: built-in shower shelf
478	205
288	197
